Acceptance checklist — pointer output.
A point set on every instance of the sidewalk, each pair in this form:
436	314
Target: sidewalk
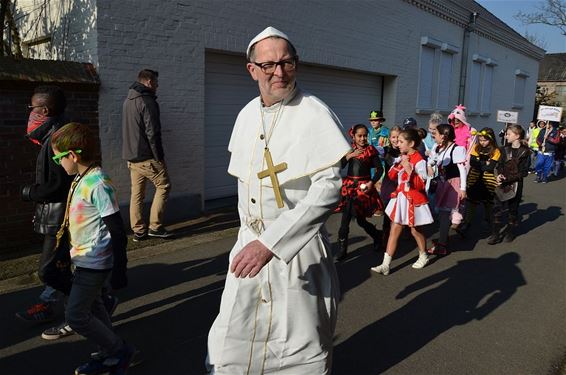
217	223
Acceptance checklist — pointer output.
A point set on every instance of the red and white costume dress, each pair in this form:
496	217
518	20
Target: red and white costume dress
409	203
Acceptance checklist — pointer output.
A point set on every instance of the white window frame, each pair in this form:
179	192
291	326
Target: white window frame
520	80
480	88
438	95
487	87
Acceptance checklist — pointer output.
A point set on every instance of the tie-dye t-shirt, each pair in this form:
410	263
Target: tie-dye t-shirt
93	198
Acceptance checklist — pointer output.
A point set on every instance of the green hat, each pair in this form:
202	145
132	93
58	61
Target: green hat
376	115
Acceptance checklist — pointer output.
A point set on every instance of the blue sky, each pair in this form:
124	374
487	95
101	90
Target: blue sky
506	9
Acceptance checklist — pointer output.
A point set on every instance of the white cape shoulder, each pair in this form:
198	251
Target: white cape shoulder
308	137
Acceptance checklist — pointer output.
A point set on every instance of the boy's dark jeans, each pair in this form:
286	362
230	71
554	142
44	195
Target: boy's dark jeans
85	311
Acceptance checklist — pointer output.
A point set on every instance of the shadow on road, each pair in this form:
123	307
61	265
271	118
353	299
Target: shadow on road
170	331
355	269
536	217
457	301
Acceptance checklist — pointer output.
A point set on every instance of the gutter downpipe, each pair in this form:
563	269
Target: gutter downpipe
465	47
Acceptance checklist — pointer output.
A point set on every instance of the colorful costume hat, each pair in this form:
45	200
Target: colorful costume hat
376	115
459	113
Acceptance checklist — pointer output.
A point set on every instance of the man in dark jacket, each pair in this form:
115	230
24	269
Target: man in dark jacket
49	192
142	148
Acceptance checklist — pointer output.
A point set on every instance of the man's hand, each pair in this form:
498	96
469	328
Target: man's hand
251	260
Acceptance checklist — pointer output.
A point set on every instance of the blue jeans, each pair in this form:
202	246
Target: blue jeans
534	154
49	295
85	311
544	164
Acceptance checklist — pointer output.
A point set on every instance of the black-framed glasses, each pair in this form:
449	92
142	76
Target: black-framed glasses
31	107
269	67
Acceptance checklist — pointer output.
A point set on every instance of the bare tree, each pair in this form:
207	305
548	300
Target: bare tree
546	97
536	40
551	12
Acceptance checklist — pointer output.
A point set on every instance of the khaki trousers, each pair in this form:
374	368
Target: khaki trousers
140	173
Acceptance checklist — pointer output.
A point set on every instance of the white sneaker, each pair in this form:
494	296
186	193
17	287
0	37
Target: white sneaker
382	269
421	262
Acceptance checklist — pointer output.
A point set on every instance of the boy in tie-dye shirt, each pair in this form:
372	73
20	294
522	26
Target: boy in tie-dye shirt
93	199
98	248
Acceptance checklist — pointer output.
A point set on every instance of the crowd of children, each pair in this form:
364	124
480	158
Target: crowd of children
442	175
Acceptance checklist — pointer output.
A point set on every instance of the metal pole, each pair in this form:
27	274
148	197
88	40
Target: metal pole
465	47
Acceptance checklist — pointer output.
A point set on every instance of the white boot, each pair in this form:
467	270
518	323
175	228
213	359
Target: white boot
422	261
383	268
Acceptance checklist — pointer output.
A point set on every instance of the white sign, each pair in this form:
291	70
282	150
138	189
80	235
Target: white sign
508	117
549	113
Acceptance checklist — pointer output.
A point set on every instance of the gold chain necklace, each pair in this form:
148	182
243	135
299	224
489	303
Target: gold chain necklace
267	137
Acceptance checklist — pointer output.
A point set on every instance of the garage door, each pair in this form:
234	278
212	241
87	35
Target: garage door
228	88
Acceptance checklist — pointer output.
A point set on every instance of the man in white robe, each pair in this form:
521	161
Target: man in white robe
279	305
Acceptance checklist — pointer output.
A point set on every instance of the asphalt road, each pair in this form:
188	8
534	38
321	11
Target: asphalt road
482	310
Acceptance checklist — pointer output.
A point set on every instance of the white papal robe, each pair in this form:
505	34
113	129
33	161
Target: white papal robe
282	321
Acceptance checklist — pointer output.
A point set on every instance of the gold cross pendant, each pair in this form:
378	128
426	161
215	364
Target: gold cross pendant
272	171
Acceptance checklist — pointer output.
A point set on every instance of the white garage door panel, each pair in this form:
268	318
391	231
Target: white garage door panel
228	88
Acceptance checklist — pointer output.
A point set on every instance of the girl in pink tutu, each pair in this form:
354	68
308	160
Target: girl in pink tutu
409	204
450	159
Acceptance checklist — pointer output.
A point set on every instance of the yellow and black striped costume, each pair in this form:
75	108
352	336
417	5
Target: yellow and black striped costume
481	178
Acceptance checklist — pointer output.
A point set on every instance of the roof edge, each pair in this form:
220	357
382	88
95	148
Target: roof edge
32	70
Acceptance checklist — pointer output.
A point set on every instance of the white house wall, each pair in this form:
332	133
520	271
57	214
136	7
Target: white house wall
381	37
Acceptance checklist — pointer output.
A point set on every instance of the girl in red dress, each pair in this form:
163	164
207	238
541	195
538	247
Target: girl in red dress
359	195
409	203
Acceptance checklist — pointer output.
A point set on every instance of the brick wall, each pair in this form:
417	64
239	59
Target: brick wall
18	157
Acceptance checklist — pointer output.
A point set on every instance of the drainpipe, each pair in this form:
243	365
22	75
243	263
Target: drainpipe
465	47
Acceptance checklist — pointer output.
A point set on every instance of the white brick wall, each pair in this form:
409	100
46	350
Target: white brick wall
380	37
